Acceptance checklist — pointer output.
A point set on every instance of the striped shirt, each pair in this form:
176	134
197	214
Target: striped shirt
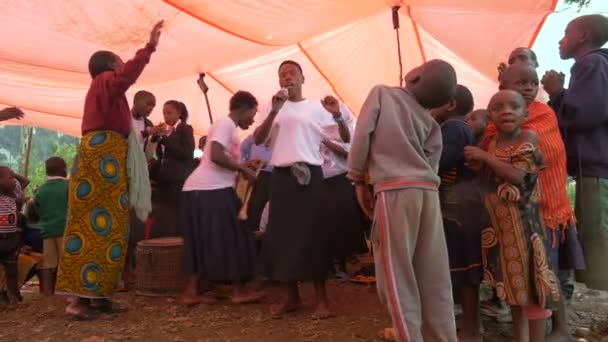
8	215
554	203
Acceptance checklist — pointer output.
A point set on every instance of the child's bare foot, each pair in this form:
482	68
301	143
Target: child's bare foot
558	336
322	312
288	307
191	300
251	297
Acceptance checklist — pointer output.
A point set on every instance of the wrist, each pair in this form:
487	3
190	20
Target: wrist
338	116
273	112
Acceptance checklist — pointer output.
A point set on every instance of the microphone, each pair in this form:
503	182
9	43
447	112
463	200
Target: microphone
395	10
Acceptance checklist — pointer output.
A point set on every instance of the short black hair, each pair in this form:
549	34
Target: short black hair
532	54
100	62
597	26
242	100
143	94
181	108
56	167
464	100
296	64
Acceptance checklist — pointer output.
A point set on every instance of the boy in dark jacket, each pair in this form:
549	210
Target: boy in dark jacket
583	119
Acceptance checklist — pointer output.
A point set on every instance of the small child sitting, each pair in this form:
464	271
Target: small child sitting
52	205
9	237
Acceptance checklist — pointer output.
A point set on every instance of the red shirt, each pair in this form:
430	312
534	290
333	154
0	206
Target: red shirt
106	106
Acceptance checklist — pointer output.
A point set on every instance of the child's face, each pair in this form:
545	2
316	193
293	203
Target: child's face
171	114
478	121
507	111
572	40
523	80
144	106
521	55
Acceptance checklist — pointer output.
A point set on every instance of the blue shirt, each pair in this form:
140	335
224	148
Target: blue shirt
251	151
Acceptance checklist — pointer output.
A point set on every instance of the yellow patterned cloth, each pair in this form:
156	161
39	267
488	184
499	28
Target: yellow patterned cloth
95	239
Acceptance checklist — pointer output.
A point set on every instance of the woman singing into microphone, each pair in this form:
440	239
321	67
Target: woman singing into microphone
296	247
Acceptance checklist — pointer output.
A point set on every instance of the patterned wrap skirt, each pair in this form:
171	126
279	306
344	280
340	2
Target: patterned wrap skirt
97	229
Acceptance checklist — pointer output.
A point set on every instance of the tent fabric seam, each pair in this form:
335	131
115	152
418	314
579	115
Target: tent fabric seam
217	26
542	23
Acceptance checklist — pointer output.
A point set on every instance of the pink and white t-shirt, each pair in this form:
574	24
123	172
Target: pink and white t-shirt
208	175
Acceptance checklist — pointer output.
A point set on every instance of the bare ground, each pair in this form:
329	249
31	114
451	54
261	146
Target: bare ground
359	318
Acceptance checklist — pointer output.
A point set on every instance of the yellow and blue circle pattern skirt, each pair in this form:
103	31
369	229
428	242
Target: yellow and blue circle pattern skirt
96	233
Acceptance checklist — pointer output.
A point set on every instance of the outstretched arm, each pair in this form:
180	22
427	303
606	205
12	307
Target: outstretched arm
127	74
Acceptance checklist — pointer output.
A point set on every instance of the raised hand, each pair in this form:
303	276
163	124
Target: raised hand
553	82
11	113
331	105
278	100
155	34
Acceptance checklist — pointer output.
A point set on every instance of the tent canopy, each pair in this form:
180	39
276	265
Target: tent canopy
345	47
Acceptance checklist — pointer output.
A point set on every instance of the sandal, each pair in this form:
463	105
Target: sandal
387	334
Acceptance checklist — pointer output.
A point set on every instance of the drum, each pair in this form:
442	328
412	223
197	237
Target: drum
159	267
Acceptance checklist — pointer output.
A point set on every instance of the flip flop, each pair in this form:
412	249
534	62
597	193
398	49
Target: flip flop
387	334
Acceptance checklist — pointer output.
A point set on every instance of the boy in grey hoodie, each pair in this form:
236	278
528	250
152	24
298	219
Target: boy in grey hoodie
582	112
398	144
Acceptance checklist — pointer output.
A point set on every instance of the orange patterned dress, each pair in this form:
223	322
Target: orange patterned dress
514	258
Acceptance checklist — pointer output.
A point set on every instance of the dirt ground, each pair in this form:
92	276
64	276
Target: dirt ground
359	318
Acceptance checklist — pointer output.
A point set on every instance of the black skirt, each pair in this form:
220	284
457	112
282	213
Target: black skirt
216	245
464	217
296	245
343	219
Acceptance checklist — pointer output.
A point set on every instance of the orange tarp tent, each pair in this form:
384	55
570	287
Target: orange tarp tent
345	47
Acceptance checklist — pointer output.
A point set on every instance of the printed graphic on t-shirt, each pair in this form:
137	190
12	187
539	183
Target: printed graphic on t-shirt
8	214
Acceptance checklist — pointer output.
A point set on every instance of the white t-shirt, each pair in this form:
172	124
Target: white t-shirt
297	133
208	175
334	164
139	125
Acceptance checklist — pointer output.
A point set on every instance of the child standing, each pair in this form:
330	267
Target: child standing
558	217
583	119
9	238
398	143
460	207
52	205
218	248
514	258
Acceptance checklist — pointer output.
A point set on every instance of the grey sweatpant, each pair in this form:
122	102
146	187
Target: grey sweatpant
412	268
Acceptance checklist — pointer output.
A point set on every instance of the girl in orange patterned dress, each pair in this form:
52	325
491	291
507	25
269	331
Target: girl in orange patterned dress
514	258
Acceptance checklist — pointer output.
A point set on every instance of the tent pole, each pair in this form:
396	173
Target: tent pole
28	150
205	89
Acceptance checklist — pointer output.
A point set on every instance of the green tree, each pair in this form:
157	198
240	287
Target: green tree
579	3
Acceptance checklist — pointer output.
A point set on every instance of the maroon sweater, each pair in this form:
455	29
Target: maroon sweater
106	106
